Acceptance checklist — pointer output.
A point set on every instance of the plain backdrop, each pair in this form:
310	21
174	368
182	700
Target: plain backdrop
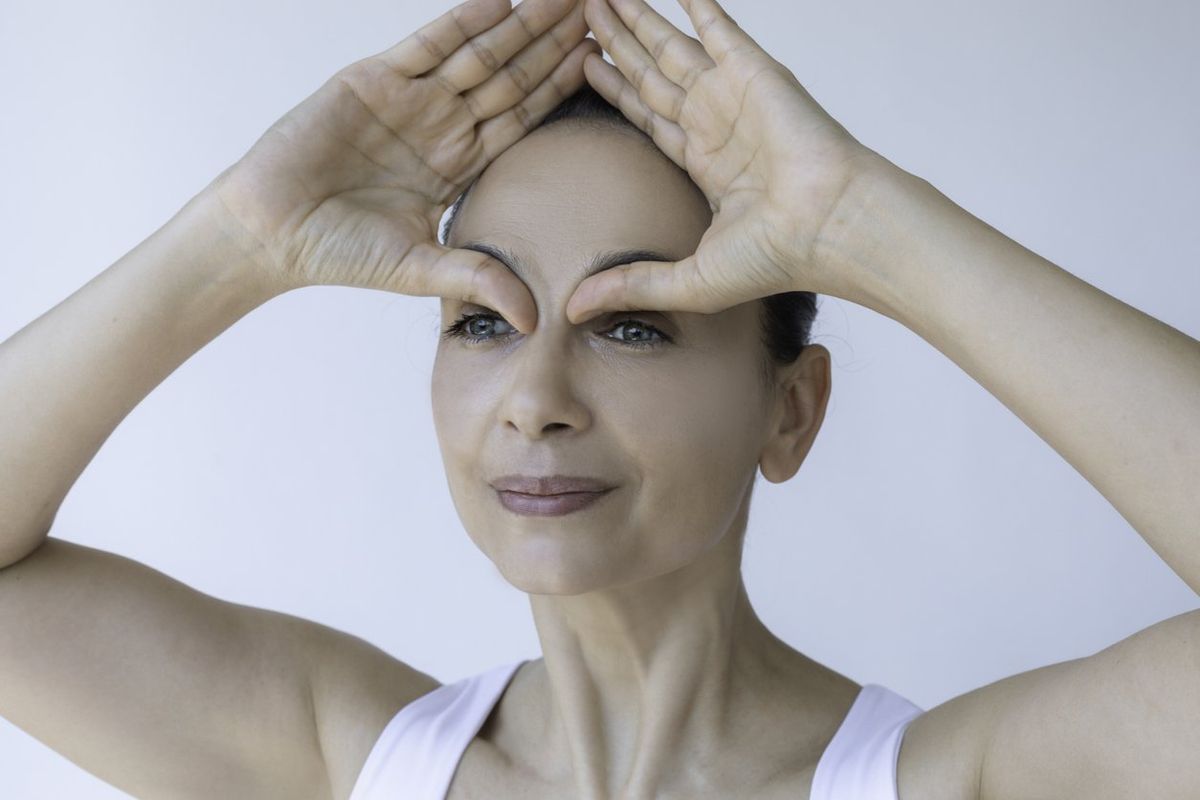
931	542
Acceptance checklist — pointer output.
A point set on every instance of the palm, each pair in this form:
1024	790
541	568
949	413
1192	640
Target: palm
772	163
347	188
347	182
754	170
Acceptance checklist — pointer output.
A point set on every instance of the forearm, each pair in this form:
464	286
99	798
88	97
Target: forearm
1115	391
70	376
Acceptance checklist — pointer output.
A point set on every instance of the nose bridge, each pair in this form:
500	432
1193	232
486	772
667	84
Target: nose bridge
541	395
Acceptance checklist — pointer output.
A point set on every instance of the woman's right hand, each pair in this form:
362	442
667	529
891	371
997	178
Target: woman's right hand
348	187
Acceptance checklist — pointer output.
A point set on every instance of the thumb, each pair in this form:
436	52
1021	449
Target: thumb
643	285
433	270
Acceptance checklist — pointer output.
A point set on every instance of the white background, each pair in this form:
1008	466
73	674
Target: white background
931	542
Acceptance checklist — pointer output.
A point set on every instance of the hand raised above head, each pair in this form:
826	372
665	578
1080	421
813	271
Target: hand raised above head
347	188
772	163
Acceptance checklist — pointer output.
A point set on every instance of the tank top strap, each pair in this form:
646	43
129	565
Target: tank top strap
859	762
416	755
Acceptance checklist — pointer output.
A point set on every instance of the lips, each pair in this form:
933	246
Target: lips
548	505
549	484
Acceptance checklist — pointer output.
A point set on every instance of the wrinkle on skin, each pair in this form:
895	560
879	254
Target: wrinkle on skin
657	677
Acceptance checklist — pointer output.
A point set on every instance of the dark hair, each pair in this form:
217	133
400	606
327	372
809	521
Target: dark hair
786	319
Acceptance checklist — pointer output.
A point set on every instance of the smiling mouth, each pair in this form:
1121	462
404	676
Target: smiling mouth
548	505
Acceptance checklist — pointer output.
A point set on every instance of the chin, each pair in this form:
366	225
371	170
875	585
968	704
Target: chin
540	577
545	566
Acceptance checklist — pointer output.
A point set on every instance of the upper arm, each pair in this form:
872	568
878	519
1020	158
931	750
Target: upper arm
1124	722
154	687
356	689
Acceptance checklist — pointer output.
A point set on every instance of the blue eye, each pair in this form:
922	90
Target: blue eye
465	329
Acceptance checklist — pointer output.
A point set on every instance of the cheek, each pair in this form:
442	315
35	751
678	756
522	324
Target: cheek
701	414
457	398
695	444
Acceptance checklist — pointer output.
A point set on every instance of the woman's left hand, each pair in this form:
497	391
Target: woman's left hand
772	163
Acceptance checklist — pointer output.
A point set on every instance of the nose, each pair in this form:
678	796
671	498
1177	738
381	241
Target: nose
541	396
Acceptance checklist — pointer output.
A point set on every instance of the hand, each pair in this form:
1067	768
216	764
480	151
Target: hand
348	187
772	163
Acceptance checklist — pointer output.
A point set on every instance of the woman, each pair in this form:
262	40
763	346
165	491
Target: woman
657	678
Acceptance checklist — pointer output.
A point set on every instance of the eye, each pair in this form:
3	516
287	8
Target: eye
645	332
465	328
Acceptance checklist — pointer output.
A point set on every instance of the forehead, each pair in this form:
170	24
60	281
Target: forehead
563	194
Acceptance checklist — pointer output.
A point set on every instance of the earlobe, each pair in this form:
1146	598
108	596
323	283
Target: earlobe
783	455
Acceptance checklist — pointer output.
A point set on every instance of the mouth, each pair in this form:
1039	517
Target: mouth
549	485
548	505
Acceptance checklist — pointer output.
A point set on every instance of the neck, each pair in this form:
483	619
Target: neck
645	680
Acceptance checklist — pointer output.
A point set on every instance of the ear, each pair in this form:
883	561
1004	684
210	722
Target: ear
801	395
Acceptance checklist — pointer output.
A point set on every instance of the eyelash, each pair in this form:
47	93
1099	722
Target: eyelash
459	330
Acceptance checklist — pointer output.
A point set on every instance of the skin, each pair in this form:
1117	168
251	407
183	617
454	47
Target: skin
652	654
347	189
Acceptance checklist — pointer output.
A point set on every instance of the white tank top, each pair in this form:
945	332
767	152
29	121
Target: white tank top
416	755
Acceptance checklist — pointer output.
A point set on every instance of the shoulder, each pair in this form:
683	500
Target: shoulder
952	750
1121	722
356	690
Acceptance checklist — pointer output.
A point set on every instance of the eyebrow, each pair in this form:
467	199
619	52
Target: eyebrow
600	262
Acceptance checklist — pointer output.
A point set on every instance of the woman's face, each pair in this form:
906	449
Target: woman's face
666	407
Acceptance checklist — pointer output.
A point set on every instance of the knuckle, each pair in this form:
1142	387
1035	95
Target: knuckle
520	14
677	105
522	116
660	47
669	43
430	45
638	79
485	56
519	77
649	122
444	82
471	100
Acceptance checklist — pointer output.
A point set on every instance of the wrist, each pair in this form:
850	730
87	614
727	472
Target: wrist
192	275
872	234
225	249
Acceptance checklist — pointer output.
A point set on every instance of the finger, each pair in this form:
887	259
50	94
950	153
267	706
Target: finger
431	270
645	284
500	132
524	73
656	90
483	55
719	34
608	81
679	57
433	43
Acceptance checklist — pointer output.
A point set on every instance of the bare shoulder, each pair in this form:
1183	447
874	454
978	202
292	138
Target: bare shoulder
946	751
1122	722
357	688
